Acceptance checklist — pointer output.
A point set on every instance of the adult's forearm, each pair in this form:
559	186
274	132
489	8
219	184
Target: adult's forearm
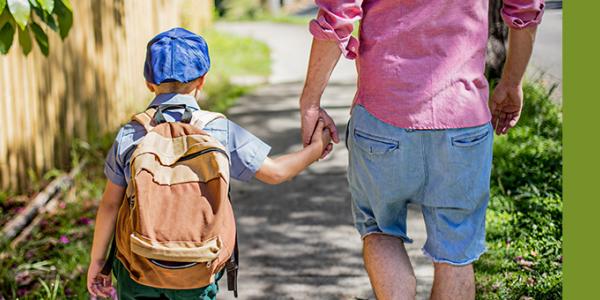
324	55
520	47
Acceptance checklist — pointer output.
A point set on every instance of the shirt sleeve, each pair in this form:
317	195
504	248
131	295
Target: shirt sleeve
247	152
520	14
335	22
114	165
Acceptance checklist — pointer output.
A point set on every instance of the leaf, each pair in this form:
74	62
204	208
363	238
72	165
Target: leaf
2	5
47	5
41	38
25	41
21	11
4	17
47	18
34	3
67	4
6	37
65	18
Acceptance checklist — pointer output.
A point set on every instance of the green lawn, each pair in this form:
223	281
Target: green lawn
524	219
232	56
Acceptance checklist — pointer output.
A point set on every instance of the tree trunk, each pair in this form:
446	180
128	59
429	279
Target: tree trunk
497	42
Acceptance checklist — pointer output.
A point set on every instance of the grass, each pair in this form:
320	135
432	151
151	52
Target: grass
52	262
232	56
524	219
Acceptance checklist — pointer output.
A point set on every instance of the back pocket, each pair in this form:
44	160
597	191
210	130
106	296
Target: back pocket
374	144
472	138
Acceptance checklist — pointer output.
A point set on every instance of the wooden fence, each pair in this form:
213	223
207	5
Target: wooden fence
88	85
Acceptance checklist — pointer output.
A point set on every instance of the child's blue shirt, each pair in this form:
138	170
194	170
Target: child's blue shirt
246	151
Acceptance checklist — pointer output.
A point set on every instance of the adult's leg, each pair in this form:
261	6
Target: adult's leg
454	206
389	268
453	282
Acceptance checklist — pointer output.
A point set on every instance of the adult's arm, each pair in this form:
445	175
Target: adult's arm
285	167
332	31
324	55
522	17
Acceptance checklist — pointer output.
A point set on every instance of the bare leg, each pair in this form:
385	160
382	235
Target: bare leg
389	268
453	282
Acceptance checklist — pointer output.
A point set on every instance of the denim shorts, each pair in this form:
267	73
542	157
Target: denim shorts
446	172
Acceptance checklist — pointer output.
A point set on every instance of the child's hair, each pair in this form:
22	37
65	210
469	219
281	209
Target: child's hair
177	87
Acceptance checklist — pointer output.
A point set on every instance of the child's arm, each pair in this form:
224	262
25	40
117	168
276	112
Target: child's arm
98	284
287	166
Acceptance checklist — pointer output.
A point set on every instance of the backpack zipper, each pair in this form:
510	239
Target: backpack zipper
207	150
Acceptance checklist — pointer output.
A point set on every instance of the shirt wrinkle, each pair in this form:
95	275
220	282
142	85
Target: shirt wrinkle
412	54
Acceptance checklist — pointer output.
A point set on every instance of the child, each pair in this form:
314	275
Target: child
176	64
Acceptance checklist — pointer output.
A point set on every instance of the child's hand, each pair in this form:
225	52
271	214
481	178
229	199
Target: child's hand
321	137
98	285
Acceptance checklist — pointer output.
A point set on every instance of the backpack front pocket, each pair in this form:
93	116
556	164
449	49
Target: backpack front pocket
176	251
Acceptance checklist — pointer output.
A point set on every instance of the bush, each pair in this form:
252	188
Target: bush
524	219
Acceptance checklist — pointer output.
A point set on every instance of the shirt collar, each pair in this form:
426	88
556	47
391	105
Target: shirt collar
188	100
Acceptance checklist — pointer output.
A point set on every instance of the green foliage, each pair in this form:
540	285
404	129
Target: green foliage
20	10
239	9
52	262
232	56
222	94
524	219
27	15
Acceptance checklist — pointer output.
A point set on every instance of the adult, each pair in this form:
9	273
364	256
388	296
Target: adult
421	129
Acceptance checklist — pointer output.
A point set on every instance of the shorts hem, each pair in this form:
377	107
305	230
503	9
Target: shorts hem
454	263
404	238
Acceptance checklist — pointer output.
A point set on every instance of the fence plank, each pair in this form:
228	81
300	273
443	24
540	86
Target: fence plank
88	85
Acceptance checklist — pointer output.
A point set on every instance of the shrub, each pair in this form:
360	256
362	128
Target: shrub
524	219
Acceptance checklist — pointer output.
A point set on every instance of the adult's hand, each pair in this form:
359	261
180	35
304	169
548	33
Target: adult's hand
506	105
507	100
309	119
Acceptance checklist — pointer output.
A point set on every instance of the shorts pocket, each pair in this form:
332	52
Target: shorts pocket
374	144
462	164
471	139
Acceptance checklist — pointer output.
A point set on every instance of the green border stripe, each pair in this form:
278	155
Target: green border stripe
581	150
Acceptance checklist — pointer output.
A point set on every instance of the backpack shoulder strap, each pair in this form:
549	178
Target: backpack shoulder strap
201	118
145	118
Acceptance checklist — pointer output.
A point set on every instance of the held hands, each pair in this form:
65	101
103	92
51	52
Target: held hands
98	285
321	137
310	122
506	104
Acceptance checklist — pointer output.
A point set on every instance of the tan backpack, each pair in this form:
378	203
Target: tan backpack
175	228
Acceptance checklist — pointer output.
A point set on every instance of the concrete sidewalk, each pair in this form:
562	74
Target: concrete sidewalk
297	240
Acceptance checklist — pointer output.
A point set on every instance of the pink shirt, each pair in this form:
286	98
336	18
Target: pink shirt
420	63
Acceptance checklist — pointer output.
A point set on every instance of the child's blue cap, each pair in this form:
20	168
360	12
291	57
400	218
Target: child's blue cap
176	55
